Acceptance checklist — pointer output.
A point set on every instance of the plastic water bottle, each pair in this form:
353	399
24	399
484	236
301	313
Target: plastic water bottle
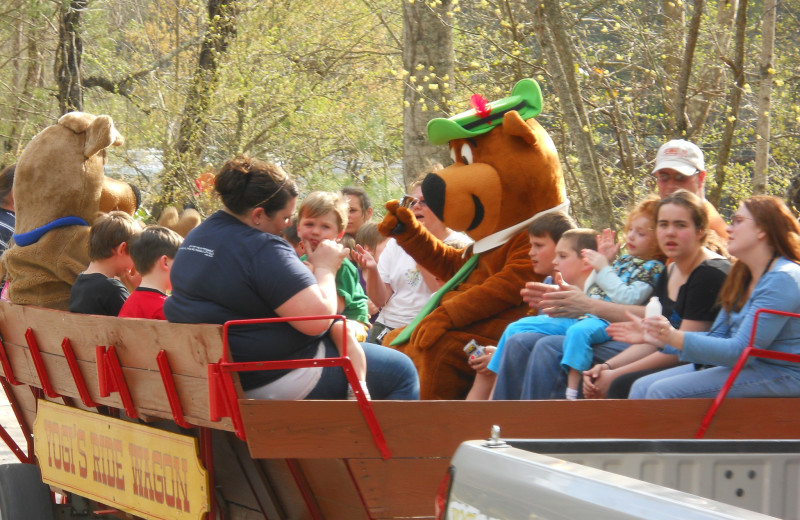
653	308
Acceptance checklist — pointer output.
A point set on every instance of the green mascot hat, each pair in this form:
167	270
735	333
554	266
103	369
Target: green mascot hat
525	98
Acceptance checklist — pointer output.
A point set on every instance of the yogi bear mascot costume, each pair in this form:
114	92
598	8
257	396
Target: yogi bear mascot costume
506	172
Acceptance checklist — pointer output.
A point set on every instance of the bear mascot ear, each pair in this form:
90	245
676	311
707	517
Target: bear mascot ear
180	221
513	124
100	131
100	135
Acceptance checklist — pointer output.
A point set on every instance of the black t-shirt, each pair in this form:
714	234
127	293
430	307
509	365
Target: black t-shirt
97	294
226	270
698	298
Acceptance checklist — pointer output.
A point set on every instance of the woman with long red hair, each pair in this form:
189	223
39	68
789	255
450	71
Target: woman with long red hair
765	239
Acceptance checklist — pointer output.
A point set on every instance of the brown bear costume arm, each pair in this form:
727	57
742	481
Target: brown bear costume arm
501	274
429	252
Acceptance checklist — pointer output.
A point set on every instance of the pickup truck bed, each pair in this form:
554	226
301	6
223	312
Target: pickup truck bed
650	479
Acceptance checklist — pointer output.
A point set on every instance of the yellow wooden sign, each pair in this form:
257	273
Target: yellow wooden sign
138	469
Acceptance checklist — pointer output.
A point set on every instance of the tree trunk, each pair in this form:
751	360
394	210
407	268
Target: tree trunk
429	60
764	97
674	41
710	77
33	72
188	150
561	67
734	100
68	56
681	121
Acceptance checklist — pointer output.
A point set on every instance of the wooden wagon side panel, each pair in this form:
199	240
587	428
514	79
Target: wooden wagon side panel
336	429
136	342
400	488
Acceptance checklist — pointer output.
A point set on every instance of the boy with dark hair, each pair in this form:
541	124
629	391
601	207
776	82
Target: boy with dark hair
152	251
290	235
98	290
544	233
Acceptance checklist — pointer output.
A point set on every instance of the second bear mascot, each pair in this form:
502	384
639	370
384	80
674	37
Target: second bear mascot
59	190
506	172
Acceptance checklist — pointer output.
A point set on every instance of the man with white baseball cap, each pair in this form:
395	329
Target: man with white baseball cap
680	165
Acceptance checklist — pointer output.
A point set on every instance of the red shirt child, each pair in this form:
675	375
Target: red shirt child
152	251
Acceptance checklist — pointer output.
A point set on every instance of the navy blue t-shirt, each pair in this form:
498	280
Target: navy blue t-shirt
226	270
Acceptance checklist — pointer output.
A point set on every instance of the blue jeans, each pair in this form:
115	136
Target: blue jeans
390	375
757	379
531	366
538	324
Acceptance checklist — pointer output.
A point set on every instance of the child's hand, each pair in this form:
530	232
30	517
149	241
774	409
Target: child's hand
627	331
364	258
131	279
606	244
533	292
595	258
328	254
479	363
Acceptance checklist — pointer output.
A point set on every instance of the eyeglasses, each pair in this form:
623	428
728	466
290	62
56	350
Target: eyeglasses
738	219
677	177
409	202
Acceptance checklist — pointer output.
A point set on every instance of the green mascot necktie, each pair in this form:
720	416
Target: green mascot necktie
435	299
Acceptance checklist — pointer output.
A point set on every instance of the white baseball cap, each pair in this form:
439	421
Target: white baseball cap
680	155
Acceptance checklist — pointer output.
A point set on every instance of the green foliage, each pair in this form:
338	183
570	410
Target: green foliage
317	87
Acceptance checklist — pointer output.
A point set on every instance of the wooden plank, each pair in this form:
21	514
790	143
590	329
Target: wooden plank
334	489
399	488
190	347
336	429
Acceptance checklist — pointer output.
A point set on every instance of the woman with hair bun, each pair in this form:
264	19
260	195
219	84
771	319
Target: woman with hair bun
236	266
765	238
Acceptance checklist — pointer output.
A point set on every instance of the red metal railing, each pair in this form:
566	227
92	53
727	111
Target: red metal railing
747	353
223	397
223	401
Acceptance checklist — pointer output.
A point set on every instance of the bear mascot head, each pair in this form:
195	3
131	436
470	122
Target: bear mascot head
505	173
59	190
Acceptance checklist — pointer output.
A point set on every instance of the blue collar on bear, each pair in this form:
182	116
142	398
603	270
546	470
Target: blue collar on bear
33	236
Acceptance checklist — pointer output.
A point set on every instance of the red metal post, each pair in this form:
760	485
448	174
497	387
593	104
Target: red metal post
305	491
102	372
120	385
111	379
9	373
172	393
207	456
77	376
38	362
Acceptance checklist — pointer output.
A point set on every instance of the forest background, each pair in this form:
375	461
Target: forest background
339	91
